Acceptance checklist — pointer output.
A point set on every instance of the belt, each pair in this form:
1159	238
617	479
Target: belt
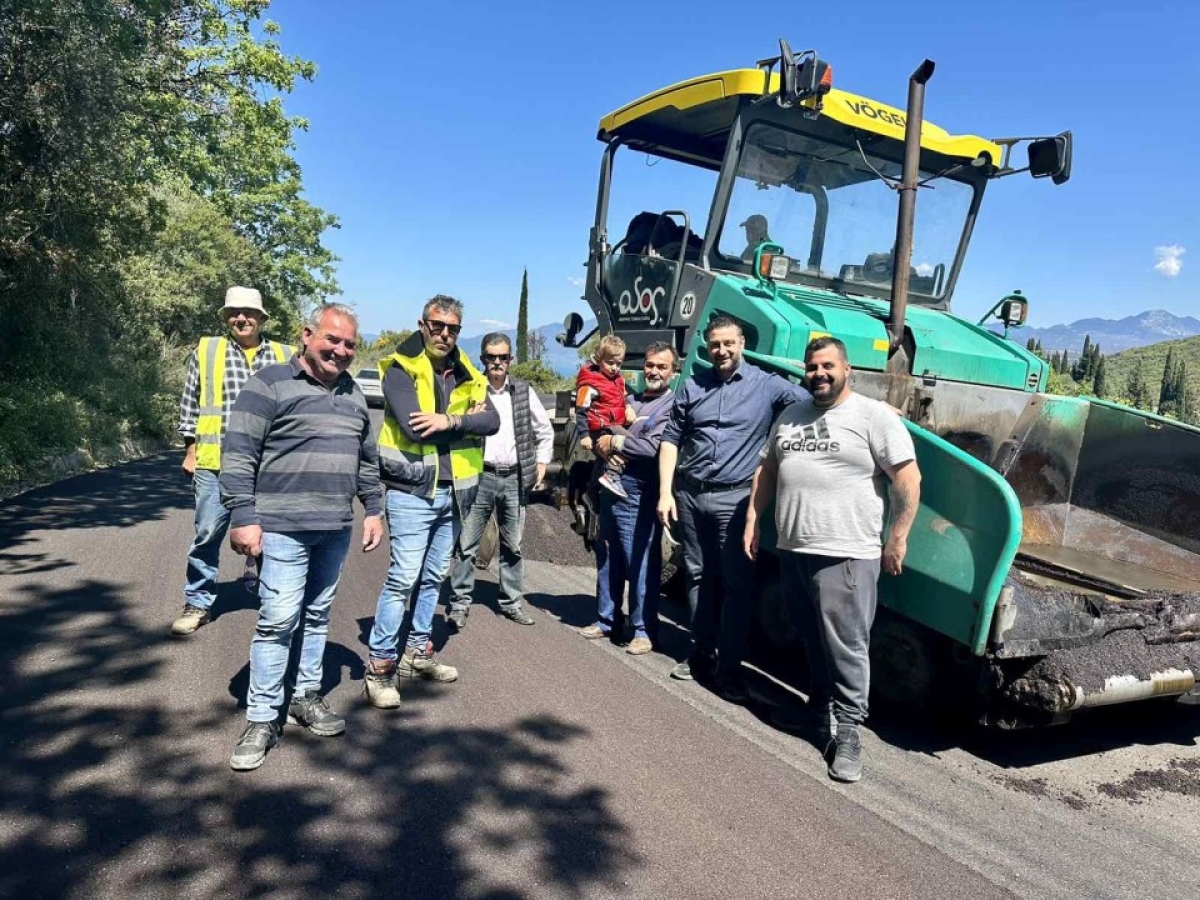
707	487
502	471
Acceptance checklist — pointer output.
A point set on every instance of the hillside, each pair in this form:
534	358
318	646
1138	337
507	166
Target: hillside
1119	365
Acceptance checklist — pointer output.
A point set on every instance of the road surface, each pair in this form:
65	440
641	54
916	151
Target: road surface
553	768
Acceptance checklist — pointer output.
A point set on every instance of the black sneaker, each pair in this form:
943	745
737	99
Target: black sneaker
251	748
814	722
516	614
457	618
731	686
310	710
846	764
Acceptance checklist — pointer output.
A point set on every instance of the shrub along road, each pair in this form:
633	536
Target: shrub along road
552	768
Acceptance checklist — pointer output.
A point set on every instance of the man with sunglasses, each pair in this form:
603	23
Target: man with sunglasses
436	414
514	462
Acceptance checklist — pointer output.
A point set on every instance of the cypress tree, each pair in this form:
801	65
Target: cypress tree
523	320
1166	390
1181	391
1098	385
1136	387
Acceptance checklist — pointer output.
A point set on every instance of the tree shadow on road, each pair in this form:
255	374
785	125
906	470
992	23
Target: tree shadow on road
120	497
116	784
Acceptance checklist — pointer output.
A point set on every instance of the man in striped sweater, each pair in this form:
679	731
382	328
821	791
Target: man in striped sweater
297	451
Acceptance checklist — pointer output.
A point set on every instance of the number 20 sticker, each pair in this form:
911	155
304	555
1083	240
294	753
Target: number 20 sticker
687	305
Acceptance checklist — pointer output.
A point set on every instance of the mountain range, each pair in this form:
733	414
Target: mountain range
1113	335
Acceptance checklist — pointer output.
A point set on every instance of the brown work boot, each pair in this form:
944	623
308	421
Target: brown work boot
424	664
190	620
379	684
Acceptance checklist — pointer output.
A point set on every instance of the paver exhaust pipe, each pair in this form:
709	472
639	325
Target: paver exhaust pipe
910	175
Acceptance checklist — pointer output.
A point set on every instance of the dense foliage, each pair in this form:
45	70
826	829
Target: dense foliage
1160	378
145	165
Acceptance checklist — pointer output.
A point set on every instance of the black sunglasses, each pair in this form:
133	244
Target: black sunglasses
496	357
437	327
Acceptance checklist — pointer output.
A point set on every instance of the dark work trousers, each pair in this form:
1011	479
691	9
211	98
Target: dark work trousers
832	602
720	577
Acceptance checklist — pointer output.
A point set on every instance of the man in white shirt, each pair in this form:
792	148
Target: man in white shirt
514	462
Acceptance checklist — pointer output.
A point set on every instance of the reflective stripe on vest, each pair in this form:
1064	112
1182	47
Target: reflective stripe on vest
466	455
210	425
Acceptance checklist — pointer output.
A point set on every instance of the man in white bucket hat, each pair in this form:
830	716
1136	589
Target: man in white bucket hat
216	371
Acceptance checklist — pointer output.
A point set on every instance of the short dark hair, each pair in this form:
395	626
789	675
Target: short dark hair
445	304
663	347
494	337
821	343
722	321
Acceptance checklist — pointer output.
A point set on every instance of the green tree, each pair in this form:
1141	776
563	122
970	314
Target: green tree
523	320
1166	390
543	379
1180	391
1079	369
1099	387
389	341
1136	388
146	162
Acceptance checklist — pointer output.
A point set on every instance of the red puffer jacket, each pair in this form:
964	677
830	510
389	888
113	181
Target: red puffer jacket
600	397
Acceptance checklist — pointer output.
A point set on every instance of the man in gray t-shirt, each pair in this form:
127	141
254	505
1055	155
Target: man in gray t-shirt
827	464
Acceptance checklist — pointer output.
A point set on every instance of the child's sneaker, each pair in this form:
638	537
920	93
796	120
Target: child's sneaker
611	482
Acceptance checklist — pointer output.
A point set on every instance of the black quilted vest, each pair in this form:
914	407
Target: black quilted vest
523	433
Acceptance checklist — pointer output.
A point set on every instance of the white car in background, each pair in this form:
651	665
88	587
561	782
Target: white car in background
372	388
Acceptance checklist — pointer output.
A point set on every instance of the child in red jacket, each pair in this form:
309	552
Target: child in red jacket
601	406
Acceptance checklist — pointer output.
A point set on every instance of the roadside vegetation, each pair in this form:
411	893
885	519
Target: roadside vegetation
1161	378
146	164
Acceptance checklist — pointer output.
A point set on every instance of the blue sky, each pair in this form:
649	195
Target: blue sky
457	142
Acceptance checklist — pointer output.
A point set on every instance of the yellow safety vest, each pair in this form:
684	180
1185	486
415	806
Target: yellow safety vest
210	426
400	455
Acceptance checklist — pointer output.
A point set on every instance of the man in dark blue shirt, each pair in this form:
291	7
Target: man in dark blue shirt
709	452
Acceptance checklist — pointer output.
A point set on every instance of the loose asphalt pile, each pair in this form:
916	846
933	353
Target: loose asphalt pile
548	538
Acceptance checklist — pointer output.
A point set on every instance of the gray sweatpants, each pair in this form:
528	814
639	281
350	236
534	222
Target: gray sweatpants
832	602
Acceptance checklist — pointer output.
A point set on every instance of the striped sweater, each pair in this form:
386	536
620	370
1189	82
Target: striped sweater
296	453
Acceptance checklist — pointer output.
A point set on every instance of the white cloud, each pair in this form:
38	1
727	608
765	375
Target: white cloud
1170	260
578	282
924	269
495	323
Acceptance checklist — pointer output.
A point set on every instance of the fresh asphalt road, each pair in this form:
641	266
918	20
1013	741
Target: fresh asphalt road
553	768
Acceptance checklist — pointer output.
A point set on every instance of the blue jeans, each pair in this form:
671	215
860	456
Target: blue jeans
422	535
503	494
629	549
204	557
300	573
